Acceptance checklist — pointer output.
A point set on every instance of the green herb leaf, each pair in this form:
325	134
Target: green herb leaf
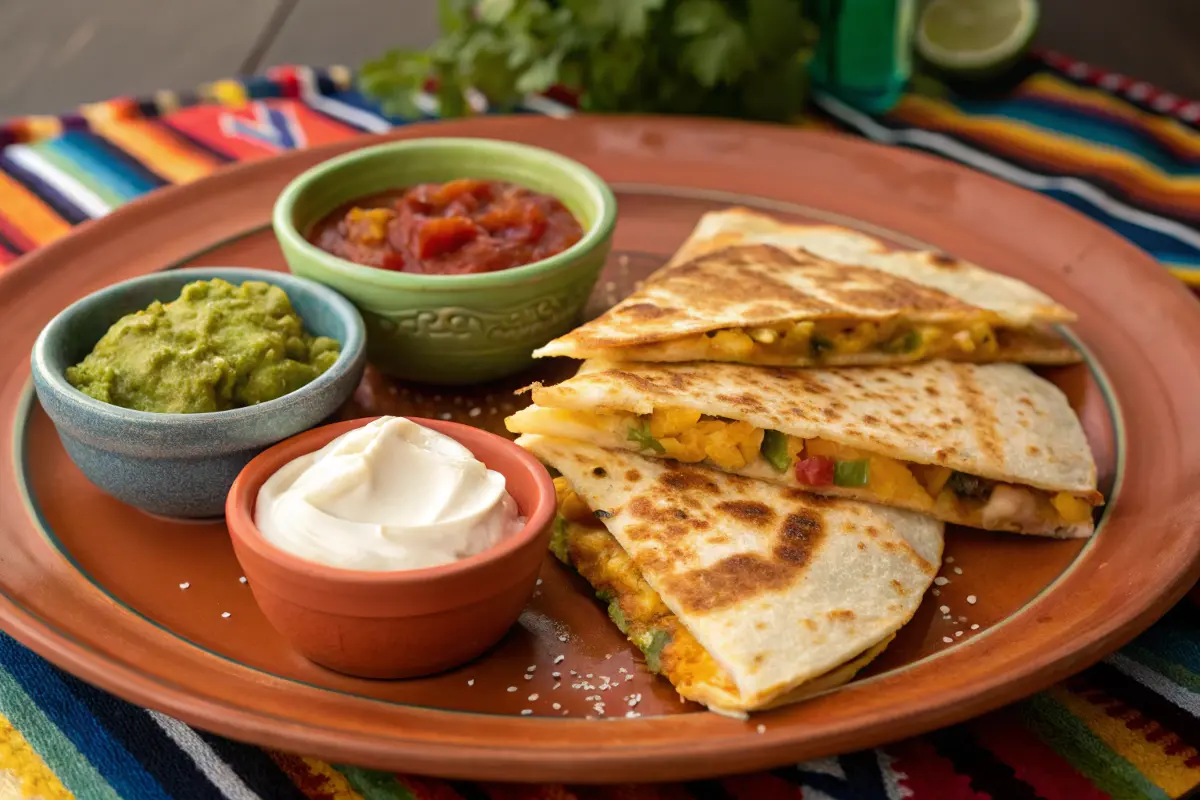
494	12
717	50
453	14
851	473
640	433
776	28
775	450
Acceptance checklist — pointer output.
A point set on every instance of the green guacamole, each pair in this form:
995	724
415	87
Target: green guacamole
217	347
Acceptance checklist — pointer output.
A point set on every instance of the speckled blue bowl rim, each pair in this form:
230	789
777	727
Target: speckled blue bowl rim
602	194
350	349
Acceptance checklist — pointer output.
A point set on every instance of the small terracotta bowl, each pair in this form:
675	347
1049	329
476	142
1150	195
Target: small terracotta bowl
396	624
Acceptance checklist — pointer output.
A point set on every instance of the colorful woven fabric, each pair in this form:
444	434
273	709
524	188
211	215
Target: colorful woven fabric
1118	150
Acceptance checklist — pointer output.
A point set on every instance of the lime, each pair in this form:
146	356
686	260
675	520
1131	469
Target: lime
975	38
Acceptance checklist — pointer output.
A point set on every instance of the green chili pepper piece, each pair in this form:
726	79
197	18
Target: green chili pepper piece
654	647
775	450
903	344
851	473
819	345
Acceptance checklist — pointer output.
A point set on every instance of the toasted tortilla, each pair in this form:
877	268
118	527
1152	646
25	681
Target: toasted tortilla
1000	422
787	592
741	270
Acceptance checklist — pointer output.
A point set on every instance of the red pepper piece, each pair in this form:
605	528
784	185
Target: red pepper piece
815	471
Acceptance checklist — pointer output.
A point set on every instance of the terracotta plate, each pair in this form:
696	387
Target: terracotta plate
95	586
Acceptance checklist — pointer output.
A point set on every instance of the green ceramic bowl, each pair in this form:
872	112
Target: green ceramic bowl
453	329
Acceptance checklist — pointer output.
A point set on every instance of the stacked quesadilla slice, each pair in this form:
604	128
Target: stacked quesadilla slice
988	446
744	594
762	446
747	289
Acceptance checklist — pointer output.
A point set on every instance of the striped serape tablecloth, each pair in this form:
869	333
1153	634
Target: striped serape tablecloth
1116	149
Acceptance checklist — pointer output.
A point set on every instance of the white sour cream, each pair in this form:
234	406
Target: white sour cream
391	495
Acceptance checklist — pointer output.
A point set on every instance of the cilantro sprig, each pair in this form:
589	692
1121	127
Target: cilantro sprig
737	58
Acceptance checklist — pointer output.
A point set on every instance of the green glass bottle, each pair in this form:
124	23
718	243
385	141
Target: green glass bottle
864	53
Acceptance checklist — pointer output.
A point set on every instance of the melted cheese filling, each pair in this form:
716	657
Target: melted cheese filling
582	542
821	339
688	436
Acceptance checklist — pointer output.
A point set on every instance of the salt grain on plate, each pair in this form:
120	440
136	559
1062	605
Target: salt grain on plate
975	627
533	697
471	682
528	677
242	579
531	668
475	412
445	415
940	581
525	712
224	615
936	593
632	715
539	582
559	659
556	706
958	633
947	640
761	729
971	599
944	609
958	570
512	689
555	674
563	638
184	585
949	559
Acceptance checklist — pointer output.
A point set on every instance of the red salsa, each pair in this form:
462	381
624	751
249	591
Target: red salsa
456	228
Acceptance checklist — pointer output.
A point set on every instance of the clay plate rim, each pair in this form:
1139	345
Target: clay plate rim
662	748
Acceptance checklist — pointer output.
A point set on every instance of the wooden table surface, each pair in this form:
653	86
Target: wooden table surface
55	54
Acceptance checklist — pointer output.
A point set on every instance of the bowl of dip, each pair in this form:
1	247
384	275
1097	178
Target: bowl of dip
392	547
163	387
464	255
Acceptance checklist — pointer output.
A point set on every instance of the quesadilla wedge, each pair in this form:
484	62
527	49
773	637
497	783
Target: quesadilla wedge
748	289
989	446
744	594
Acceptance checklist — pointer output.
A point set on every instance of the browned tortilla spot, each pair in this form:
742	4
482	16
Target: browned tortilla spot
754	513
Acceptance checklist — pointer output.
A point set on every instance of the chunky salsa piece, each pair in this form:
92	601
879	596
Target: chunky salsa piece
457	228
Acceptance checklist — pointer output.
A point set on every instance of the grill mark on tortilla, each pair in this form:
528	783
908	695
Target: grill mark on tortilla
643	311
751	512
881	291
684	480
985	423
735	579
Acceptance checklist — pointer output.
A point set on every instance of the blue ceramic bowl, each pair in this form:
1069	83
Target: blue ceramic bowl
182	465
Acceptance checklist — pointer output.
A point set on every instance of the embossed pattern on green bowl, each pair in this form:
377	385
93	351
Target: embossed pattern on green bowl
454	329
